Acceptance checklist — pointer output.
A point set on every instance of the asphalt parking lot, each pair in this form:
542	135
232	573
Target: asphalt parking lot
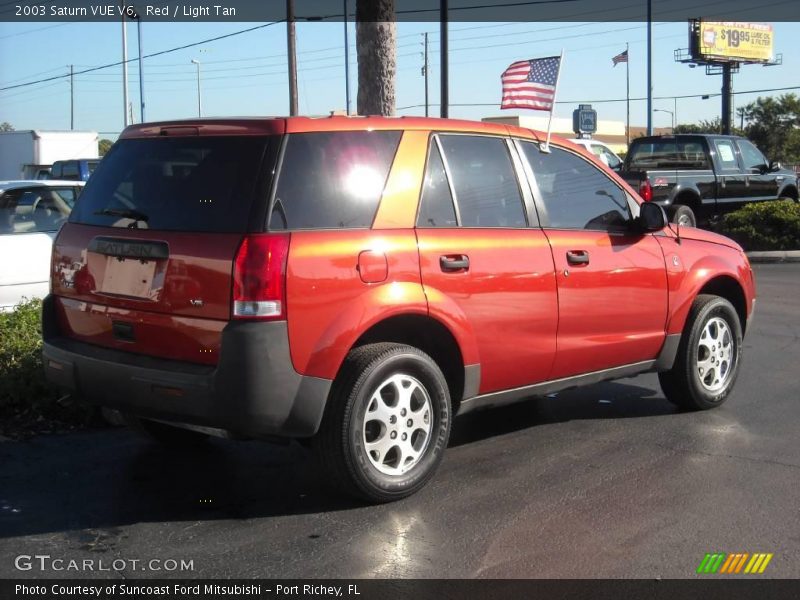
607	481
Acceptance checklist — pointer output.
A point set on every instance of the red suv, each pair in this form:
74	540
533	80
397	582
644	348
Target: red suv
360	281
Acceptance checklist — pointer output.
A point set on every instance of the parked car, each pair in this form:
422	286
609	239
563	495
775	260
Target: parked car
30	214
699	177
77	170
360	281
606	155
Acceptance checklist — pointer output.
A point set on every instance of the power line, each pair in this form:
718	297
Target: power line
610	100
168	51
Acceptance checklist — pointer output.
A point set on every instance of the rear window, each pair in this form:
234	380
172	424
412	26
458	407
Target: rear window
177	184
332	180
668	154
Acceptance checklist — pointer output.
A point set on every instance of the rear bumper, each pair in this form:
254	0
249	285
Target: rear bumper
254	391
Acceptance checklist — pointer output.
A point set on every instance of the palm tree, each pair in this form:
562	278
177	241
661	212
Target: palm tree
376	34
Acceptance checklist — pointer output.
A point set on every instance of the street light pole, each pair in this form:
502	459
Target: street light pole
672	114
199	97
141	67
444	70
125	66
292	57
346	63
649	67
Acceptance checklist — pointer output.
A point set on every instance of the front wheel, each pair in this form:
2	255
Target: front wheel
386	424
708	357
684	216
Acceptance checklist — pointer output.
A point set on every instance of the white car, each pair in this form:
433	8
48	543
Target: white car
31	212
601	151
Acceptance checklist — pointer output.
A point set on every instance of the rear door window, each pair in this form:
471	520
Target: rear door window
176	184
436	205
726	155
332	180
485	184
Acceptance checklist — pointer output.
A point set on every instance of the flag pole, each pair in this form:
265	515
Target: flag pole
628	95
546	147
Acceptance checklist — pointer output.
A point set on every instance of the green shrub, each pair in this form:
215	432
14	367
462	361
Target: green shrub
28	404
765	225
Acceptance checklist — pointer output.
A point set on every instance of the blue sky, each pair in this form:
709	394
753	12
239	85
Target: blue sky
246	74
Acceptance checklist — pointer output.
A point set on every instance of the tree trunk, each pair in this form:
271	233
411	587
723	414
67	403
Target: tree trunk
376	34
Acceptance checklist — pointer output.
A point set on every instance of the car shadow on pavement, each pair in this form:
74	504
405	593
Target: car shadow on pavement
111	478
608	400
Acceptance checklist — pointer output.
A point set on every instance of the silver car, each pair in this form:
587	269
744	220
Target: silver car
31	213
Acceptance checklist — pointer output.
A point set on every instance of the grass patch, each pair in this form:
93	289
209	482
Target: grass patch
29	404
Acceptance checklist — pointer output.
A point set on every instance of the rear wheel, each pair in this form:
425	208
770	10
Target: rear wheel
684	216
708	357
386	424
164	434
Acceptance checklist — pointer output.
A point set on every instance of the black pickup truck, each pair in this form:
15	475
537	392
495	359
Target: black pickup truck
698	177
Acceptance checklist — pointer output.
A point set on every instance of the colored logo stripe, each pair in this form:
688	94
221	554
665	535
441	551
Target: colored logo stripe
720	562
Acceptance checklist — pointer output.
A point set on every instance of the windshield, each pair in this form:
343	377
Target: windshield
177	184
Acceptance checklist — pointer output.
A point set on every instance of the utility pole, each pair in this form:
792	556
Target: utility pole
125	66
199	96
726	97
425	72
141	66
346	63
649	67
444	58
290	51
627	96
71	97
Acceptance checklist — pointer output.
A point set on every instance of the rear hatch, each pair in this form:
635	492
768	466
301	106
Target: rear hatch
145	262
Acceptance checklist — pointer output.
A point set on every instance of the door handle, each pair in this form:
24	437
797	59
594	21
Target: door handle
451	263
578	257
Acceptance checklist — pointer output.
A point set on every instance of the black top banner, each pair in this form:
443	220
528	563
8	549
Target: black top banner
404	10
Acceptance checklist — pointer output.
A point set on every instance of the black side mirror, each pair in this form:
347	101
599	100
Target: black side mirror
775	166
651	217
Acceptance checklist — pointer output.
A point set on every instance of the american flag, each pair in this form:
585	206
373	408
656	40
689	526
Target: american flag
531	83
621	57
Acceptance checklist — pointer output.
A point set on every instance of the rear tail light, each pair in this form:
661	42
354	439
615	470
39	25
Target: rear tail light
646	190
259	277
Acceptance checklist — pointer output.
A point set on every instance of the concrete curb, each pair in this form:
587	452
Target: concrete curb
775	256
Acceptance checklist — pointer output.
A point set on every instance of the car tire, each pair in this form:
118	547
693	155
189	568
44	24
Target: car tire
709	355
684	216
166	435
386	424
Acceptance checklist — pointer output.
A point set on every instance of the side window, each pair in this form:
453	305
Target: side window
436	204
55	172
751	156
726	154
65	194
32	210
332	180
69	170
575	194
485	184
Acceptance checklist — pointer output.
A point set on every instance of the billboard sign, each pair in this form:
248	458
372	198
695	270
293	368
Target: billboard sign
734	41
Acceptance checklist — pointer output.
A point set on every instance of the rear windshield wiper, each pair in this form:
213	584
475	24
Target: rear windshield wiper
125	213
